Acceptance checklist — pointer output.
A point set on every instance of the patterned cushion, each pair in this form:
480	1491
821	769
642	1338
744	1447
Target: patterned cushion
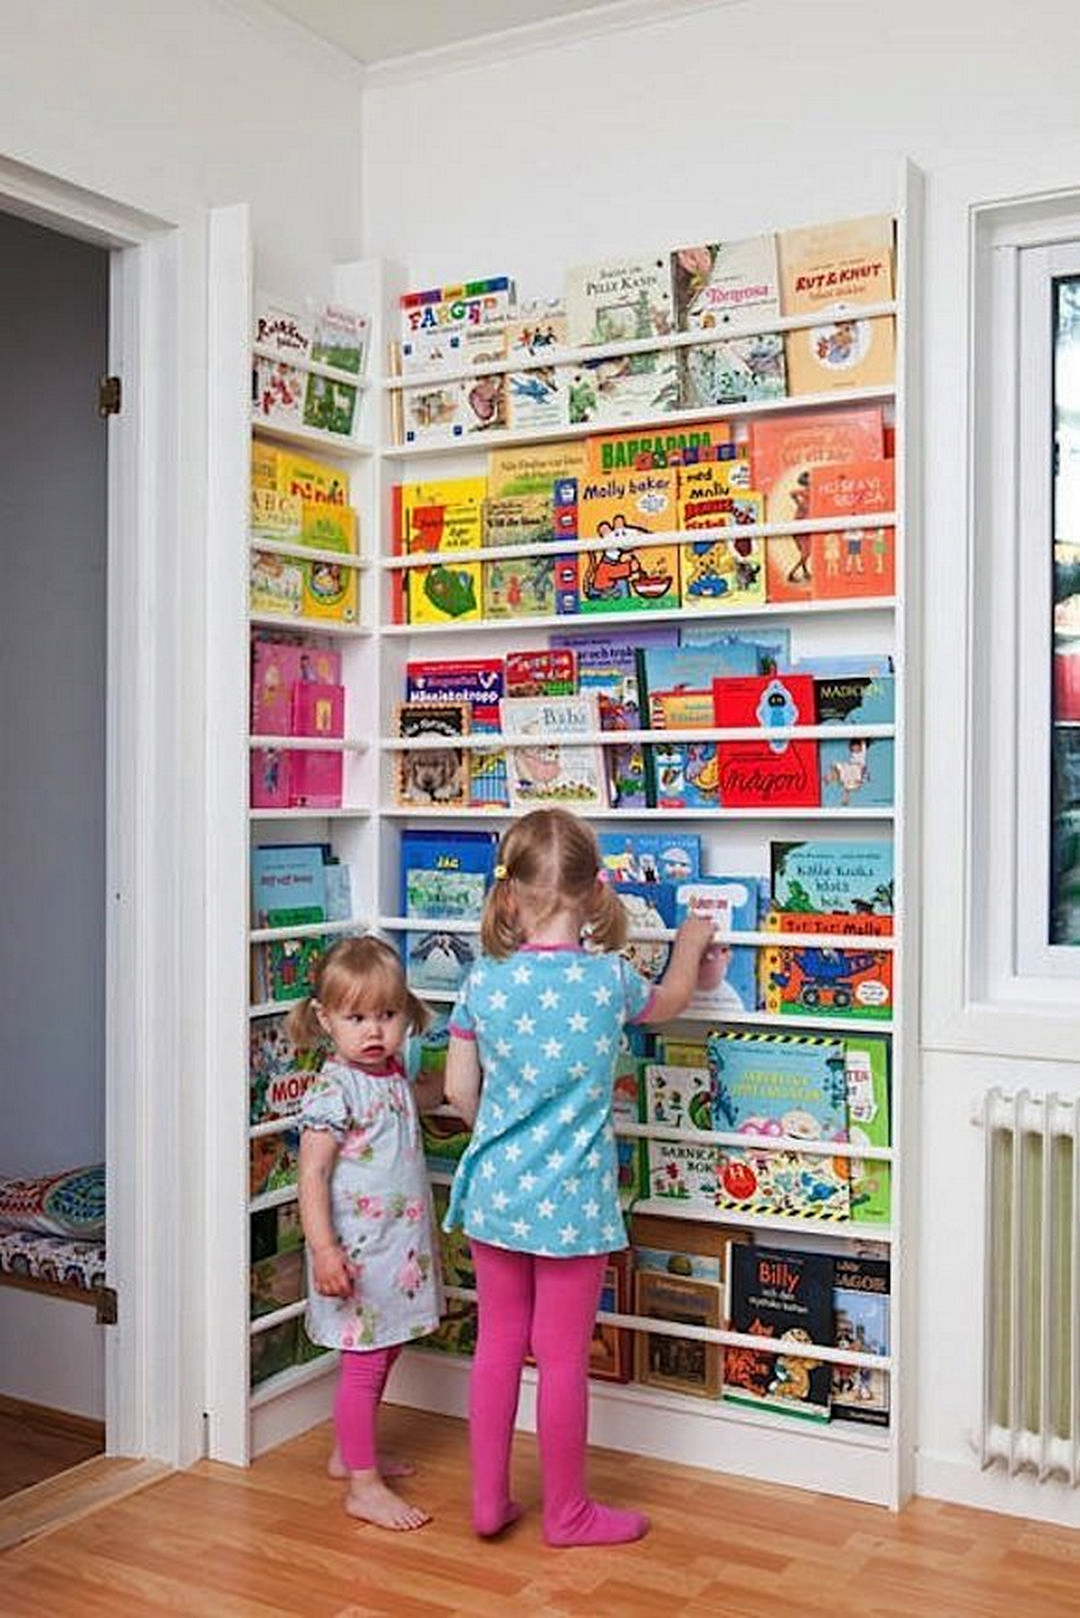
71	1204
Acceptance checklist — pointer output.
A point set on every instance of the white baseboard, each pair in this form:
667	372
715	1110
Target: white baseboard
962	1482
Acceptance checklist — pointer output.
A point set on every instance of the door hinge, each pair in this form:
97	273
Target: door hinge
108	399
107	1312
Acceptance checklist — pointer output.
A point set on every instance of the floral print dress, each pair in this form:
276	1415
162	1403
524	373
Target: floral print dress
380	1204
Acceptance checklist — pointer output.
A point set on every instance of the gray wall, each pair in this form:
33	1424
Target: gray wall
53	337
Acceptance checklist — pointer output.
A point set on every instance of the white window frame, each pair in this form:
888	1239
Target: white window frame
991	981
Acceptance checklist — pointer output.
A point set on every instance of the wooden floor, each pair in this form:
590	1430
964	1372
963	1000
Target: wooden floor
33	1448
228	1544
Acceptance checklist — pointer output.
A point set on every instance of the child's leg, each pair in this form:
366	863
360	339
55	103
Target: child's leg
567	1293
504	1286
360	1386
390	1466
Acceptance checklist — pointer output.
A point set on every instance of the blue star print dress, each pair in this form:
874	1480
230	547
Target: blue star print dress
540	1173
380	1207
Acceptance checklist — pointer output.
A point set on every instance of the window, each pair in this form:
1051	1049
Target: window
1064	898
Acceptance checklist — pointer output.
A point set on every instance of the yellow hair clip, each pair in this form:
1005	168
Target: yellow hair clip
500	873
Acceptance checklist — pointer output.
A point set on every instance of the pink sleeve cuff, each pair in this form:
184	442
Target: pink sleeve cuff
643	1014
457	1032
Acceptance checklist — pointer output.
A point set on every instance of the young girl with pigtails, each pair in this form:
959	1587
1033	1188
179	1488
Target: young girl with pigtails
365	1204
534	1036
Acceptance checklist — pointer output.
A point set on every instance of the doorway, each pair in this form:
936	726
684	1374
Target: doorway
54	294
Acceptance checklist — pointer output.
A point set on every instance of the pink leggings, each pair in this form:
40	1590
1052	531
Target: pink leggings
360	1387
550	1305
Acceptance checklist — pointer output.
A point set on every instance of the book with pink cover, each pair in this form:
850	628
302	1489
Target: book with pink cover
315	778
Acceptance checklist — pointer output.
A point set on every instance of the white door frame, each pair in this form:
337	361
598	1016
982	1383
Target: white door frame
146	1399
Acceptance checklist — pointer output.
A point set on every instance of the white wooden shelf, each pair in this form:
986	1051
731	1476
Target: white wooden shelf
309	553
629	816
765	1143
848	1230
758	938
278	1317
310	438
273	1126
274	1387
310	929
590	623
303	813
333	373
495	741
309	744
671	419
292	624
273	1199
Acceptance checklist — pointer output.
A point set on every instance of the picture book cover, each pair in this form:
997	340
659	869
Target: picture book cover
284	968
274	516
318	709
331	589
435	774
861	1316
619	300
275	584
678	1364
340	338
538	397
273	1161
278	1075
264	465
330	405
728	571
277	392
611	669
857	773
771	1084
762	772
866	1077
678	1096
785	448
785	1296
547	768
849	984
277	326
611	1351
650	909
551	673
732	904
484	407
832	878
628	575
479	682
519	587
441	517
678	690
535	468
276	1281
643	448
644	857
624	387
520	519
432	412
273	1351
316	779
276	666
317	481
830	270
445	874
270	778
626	1102
726	284
853	561
440	326
690	1247
683	1172
288	887
439	962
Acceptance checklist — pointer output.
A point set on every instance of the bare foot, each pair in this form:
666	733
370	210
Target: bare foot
373	1502
390	1466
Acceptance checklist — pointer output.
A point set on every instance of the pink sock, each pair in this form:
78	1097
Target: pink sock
504	1285
567	1293
361	1381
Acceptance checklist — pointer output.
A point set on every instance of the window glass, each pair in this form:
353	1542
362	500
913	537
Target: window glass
1064	908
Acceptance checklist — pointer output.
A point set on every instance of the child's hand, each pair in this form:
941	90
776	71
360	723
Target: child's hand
713	966
332	1273
694	937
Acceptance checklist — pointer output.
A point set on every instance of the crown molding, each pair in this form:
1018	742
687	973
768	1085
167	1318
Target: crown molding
268	19
505	44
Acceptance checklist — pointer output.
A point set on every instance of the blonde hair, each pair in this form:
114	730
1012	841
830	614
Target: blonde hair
549	861
357	974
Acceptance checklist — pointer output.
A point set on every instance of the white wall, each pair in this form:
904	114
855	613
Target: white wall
171	108
750	116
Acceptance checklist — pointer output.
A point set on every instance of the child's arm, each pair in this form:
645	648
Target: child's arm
675	989
428	1090
463	1078
331	1270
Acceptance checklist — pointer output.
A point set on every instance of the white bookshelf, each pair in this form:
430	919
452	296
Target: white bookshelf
866	1463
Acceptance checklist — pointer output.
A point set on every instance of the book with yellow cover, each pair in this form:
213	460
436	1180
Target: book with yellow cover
625	577
535	468
725	572
264	464
662	446
831	270
330	590
311	479
443	517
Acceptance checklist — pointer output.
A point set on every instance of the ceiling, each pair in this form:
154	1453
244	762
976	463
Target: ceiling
375	31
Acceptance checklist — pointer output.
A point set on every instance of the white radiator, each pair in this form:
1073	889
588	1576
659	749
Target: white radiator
1031	1295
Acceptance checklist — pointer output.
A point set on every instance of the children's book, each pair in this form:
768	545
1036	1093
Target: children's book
264	465
761	771
340	338
331	590
858	770
551	673
611	668
484	400
315	779
479	682
624	387
438	962
780	1295
314	480
784	450
620	300
275	584
270	778
866	1077
330	405
644	857
288	886
535	468
643	448
681	1171
519	587
284	968
273	1351
861	1315
690	1247
729	571
832	878
650	908
520	519
769	1084
849	984
720	287
678	1364
436	775
853	561
449	327
445	874
274	516
831	270
538	397
732	904
611	1350
548	768
626	1103
276	1281
286	330
338	878
432	413
440	517
678	690
278	1075
277	392
318	709
273	1161
627	575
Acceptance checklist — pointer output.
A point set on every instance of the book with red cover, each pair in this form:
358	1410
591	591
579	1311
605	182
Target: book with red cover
763	773
783	449
551	673
853	561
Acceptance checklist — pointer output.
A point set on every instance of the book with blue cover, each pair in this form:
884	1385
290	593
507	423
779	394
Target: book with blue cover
858	770
826	878
445	874
650	908
648	856
288	884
